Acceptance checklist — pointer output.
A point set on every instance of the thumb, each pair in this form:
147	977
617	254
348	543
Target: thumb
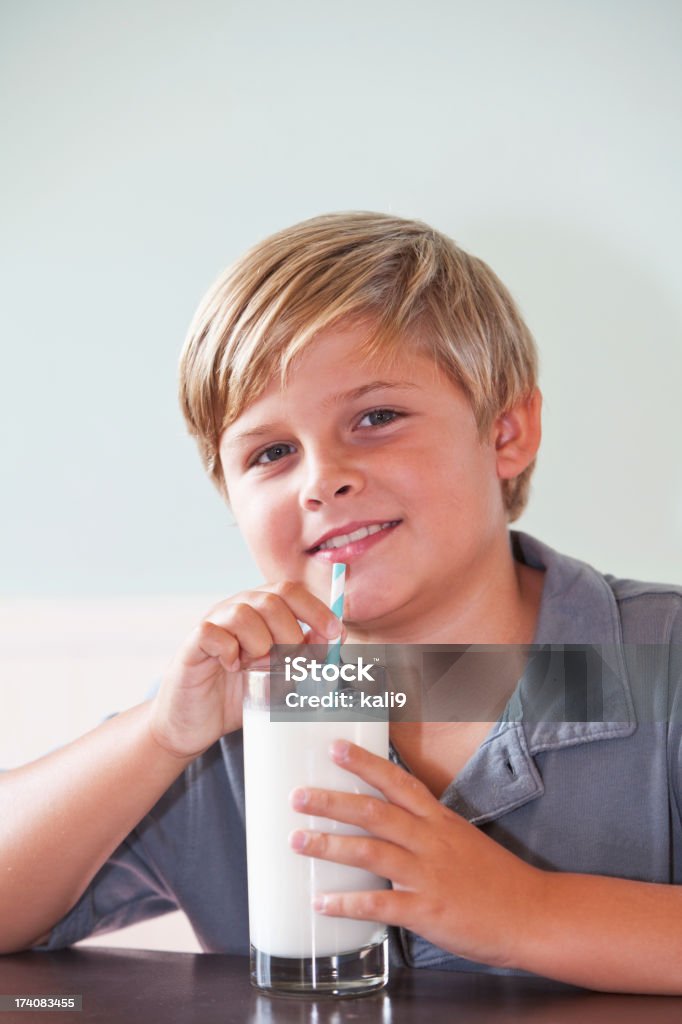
311	637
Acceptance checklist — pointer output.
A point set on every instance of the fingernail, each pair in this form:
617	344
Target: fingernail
320	903
340	750
234	667
333	629
299	798
298	840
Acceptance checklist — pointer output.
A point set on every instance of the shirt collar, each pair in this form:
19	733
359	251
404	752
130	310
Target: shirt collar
577	608
578	605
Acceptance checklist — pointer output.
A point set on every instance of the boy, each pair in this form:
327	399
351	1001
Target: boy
363	391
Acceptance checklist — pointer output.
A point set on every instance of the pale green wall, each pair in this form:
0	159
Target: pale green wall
145	144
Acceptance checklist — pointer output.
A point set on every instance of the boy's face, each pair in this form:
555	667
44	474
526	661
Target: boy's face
349	444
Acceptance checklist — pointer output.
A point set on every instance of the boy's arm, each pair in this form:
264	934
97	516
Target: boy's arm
604	933
464	892
64	814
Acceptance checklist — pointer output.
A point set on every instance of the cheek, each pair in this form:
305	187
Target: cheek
462	483
267	526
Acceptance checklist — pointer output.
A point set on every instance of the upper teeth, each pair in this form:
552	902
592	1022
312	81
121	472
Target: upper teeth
348	538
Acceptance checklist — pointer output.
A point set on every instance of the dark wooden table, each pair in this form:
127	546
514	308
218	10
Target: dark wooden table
140	987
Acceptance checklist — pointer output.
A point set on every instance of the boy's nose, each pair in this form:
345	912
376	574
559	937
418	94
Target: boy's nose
330	483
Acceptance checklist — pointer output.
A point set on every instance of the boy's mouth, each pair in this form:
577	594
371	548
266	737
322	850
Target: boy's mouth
349	539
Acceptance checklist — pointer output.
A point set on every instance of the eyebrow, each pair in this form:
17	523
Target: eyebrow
344	396
375	385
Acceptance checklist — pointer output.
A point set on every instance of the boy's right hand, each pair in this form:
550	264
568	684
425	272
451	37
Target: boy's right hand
200	698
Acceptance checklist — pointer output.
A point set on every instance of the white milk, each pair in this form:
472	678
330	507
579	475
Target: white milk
278	757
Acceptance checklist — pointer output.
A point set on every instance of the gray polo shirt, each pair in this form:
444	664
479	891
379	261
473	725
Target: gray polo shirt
594	796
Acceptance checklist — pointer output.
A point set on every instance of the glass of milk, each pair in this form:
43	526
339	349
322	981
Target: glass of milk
295	950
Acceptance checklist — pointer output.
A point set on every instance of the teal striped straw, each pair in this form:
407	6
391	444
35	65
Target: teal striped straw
336	605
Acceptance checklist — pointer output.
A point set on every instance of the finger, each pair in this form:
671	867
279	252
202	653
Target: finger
384	905
282	605
249	629
397	785
240	615
382	819
381	858
210	641
308	608
312	637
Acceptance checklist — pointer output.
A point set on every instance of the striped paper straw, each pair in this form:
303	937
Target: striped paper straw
336	605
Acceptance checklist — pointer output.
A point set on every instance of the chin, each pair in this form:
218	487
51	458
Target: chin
364	611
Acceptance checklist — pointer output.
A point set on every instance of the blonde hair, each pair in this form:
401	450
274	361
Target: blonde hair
411	284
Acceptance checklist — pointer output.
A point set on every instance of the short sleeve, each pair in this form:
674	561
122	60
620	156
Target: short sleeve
125	890
675	740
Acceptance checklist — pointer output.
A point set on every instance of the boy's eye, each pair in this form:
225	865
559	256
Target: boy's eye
272	454
379	417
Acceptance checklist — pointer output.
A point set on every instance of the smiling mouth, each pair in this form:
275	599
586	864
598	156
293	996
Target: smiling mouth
348	538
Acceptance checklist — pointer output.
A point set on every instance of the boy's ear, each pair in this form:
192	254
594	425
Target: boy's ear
516	436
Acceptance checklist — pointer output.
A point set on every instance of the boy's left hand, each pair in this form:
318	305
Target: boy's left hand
452	884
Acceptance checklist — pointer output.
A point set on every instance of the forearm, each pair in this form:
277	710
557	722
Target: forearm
63	815
603	933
